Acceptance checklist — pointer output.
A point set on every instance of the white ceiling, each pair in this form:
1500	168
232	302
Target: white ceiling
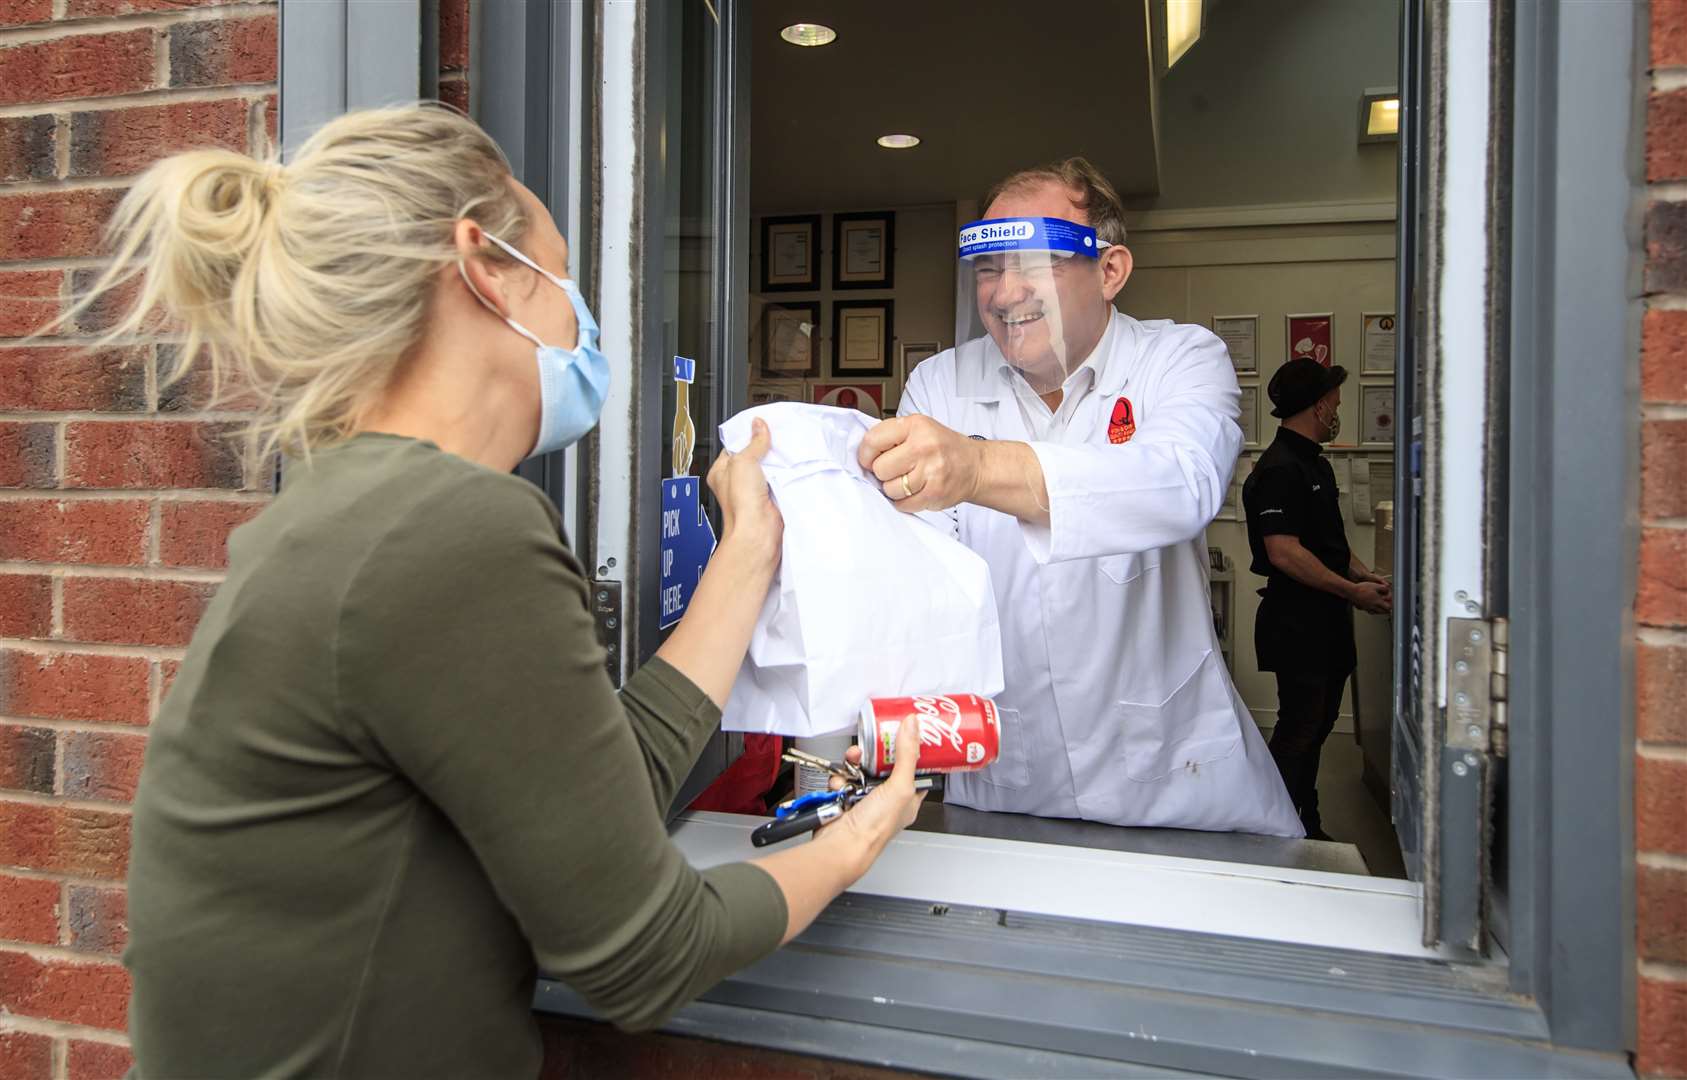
990	86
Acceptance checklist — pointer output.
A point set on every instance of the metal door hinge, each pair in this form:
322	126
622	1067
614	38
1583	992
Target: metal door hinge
606	613
1476	685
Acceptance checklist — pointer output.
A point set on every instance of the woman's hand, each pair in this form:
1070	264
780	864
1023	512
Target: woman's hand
890	807
748	515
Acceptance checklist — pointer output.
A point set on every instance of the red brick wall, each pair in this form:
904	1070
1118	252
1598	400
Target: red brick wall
1660	768
115	497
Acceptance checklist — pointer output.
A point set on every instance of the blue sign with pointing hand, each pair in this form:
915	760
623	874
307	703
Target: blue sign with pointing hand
687	542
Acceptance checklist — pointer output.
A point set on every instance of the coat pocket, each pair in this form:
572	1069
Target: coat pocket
1012	767
1195	725
1124	569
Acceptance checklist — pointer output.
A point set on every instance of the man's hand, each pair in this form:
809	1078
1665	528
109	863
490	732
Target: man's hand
923	465
1369	596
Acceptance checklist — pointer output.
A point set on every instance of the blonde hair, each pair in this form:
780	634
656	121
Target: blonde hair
300	286
1095	196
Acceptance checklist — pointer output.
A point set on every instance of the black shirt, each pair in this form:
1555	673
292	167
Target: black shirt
1292	492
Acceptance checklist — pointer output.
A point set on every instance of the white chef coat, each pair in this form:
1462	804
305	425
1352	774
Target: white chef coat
1117	707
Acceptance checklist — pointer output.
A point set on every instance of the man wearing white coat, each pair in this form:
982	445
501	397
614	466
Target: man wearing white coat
1083	453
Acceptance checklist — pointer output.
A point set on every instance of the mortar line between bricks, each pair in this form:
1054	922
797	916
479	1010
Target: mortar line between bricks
1667	191
183	95
154	690
1659	860
1660	635
29	873
63	913
61	1059
80	727
58	606
1667	302
71	29
1653	969
181	495
154	532
1665	80
31	1025
63	954
21	417
1663	410
75	183
186	574
1665	524
41	647
30	798
1655	751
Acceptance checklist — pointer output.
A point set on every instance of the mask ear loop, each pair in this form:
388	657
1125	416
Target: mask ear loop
517	327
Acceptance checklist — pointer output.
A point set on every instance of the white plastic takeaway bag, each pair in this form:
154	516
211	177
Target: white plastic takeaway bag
868	601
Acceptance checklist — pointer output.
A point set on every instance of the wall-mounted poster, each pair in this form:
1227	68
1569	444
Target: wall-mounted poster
790	253
863	250
1376	415
790	340
765	393
1240	334
1250	415
861	334
867	395
1309	335
1378	342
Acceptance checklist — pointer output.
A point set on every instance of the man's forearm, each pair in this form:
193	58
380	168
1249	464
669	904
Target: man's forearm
1010	481
1300	564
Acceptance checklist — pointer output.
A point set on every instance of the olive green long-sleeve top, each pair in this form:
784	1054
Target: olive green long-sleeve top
392	780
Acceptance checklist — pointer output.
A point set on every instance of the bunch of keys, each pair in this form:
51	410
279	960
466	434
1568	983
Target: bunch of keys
805	813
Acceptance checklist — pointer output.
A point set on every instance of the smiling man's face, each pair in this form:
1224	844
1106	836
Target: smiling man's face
1045	312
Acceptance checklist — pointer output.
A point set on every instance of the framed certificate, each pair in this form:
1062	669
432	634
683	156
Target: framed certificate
867	395
914	353
863	250
1309	335
1378	342
1376	415
769	391
861	336
1250	415
790	340
790	253
1240	334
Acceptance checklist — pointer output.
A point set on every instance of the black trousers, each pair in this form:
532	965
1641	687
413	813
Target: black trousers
1307	705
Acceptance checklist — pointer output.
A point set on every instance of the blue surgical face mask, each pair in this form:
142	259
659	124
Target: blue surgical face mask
573	383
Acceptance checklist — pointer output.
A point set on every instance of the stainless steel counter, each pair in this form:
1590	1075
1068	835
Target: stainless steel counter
1250	850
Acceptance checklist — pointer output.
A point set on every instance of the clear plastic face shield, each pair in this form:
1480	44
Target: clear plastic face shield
1029	295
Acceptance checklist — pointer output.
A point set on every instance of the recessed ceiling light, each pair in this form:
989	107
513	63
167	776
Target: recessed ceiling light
899	142
809	34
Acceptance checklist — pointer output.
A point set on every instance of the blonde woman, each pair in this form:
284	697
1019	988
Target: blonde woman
392	779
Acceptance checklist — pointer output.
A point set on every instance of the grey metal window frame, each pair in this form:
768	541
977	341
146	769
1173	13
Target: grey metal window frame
1000	993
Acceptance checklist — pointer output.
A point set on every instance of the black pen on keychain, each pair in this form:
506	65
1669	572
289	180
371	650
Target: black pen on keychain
784	828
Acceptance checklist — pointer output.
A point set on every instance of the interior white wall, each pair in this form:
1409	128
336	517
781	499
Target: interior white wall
1190	275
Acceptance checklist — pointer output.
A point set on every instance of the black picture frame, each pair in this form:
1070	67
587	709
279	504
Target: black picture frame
771	228
842	276
886	367
772	315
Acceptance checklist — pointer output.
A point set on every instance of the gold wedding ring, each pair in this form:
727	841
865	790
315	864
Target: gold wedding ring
907	492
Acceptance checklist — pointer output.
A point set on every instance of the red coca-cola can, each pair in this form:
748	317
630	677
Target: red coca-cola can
958	732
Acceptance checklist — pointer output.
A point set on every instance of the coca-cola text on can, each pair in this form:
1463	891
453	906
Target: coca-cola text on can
958	732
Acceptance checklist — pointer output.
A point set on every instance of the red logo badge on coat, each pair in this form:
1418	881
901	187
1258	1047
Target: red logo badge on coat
1123	423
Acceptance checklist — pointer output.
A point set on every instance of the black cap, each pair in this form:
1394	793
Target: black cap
1299	384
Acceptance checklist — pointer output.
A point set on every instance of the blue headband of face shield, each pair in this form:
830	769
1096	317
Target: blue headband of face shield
1041	234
